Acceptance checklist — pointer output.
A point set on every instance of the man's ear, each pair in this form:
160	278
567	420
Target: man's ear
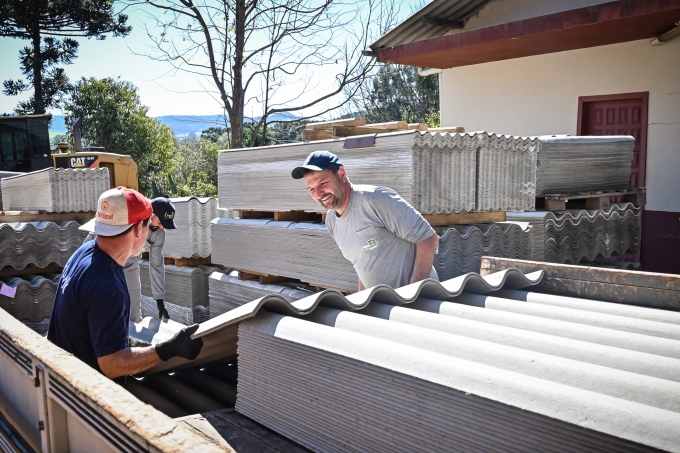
342	173
138	228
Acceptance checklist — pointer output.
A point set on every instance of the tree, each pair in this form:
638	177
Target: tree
256	50
113	117
398	93
194	171
42	22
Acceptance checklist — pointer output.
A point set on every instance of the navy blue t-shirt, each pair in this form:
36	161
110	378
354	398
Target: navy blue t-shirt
92	307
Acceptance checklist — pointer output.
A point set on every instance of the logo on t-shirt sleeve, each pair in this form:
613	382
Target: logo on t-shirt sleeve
371	244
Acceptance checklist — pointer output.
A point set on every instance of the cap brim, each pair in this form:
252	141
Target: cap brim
297	171
168	224
101	229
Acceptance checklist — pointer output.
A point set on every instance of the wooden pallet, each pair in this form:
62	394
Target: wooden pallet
466	218
595	199
185	261
8	271
265	279
43	216
291	216
351	127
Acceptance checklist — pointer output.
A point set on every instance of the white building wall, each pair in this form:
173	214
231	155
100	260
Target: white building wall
539	96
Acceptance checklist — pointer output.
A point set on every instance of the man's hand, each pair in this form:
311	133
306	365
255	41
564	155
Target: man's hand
162	312
180	345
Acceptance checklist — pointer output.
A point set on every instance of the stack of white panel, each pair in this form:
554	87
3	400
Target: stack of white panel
433	172
304	251
443	167
307	252
191	238
575	164
506	172
574	235
34	296
38	243
515	371
55	190
185	286
461	247
228	292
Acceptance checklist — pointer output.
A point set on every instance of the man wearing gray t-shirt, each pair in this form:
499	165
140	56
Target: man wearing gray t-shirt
386	240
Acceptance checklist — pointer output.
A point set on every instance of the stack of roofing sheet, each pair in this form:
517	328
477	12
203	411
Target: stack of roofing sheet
33	297
185	286
575	235
304	251
191	239
178	313
574	164
506	172
434	172
6	174
55	189
311	254
228	292
516	371
227	213
461	247
38	243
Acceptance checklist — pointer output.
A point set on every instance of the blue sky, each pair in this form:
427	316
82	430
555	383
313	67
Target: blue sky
165	92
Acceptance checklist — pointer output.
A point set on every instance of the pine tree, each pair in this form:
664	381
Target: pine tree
51	25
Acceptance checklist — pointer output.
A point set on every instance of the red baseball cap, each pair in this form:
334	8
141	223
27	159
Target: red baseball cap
117	210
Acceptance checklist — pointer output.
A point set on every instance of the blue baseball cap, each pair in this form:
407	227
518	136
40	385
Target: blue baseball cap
165	211
317	161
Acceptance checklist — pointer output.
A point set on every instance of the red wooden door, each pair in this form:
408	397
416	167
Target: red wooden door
620	117
619	114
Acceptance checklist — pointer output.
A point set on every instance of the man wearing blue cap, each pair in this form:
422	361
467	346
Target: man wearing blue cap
386	240
163	218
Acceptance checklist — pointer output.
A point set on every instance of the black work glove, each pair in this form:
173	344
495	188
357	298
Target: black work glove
135	343
180	345
162	312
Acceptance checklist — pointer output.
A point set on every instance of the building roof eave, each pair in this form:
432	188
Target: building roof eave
608	23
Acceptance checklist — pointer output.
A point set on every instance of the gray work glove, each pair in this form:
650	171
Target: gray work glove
135	343
162	312
180	345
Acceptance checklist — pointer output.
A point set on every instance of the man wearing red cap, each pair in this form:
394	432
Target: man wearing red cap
91	309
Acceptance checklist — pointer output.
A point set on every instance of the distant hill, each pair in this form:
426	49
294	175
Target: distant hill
182	125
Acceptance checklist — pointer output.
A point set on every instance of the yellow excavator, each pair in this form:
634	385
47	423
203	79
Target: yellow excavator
25	147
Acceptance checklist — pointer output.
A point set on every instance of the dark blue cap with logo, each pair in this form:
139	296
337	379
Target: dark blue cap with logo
317	161
165	211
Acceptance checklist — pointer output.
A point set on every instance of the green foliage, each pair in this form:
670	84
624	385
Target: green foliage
434	119
39	21
113	117
58	138
194	170
217	135
398	93
277	134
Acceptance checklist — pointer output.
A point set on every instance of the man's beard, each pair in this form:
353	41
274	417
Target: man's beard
330	203
334	200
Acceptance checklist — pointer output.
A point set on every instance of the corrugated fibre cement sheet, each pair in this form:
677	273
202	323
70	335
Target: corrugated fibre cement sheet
467	369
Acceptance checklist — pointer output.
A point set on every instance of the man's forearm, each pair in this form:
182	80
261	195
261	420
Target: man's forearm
128	361
361	286
425	251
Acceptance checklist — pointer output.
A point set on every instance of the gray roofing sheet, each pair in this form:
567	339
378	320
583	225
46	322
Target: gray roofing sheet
474	363
542	371
413	28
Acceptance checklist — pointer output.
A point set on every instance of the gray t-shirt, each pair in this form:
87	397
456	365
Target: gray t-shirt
378	233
